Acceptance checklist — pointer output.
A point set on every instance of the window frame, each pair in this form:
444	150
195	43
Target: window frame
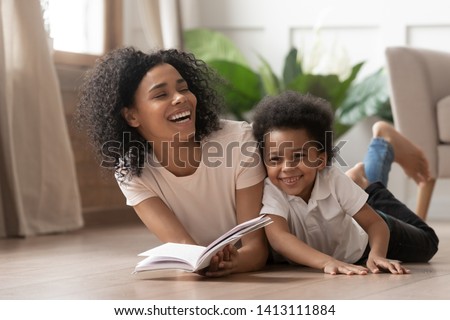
112	38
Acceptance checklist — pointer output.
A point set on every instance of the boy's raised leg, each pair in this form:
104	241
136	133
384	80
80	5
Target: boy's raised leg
413	161
409	156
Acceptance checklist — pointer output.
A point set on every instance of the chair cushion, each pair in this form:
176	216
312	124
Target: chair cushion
443	118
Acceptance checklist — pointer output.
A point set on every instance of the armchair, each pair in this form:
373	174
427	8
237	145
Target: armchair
419	82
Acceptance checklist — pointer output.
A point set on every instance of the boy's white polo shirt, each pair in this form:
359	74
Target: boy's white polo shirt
325	222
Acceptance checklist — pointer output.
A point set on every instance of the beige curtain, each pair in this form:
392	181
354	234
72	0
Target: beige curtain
38	186
161	22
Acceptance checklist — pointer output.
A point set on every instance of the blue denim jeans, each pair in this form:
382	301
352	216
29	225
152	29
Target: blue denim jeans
411	239
378	161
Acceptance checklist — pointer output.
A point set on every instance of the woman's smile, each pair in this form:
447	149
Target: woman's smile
180	117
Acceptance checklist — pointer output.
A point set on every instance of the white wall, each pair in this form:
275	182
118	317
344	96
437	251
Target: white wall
363	29
271	27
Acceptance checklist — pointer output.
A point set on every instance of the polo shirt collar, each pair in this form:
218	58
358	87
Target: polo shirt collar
321	189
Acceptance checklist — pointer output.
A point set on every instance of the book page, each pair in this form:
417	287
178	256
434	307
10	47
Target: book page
208	253
193	257
188	253
231	237
156	263
240	230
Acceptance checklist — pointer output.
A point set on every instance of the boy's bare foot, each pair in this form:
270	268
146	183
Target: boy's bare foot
409	156
358	175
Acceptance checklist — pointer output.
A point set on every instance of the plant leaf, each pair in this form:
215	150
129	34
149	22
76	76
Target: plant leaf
366	98
323	86
209	45
270	82
292	67
242	88
341	93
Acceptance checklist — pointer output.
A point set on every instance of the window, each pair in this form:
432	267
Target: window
82	30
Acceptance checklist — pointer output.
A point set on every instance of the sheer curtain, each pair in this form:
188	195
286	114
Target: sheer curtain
38	185
161	22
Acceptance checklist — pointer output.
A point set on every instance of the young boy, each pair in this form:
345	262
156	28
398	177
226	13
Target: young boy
322	218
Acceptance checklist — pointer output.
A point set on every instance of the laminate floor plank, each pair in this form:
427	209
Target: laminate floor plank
96	263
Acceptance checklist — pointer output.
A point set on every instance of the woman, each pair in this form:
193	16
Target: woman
189	175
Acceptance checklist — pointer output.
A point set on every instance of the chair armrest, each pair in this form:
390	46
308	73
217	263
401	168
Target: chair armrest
418	78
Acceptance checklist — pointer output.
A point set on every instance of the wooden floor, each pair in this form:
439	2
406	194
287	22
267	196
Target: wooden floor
96	263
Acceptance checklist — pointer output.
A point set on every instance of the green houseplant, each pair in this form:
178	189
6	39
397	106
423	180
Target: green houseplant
244	87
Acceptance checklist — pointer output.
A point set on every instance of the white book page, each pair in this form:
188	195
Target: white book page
155	263
175	252
235	230
240	230
210	252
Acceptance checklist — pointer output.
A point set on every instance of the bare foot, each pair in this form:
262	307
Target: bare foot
409	156
358	175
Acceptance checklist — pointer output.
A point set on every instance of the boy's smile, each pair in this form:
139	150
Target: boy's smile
290	180
292	161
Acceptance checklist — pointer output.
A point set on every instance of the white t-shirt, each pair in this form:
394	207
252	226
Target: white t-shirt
205	202
325	222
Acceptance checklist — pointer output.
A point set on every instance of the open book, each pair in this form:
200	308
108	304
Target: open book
191	257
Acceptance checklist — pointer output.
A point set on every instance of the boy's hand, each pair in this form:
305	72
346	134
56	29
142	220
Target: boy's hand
377	264
336	267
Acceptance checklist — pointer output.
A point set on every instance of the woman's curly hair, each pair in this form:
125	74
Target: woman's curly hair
293	110
111	85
